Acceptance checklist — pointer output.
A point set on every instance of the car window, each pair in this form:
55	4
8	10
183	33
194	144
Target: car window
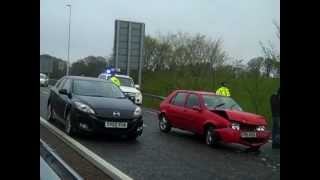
126	81
193	100
179	99
96	89
221	102
103	76
67	84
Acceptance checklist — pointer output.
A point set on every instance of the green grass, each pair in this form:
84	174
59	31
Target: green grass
151	102
252	94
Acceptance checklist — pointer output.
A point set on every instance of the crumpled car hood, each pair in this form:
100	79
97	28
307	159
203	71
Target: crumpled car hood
243	117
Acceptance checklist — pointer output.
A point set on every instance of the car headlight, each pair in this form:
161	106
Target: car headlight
137	111
84	108
260	128
235	126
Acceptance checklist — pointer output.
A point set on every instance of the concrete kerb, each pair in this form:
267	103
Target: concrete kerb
100	163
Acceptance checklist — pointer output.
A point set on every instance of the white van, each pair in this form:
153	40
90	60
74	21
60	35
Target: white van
127	86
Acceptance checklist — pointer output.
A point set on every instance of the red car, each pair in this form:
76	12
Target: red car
218	118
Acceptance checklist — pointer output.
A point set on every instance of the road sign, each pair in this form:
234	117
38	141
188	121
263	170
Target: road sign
128	46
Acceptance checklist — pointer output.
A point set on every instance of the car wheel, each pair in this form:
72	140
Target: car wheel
164	124
211	137
50	113
132	137
69	126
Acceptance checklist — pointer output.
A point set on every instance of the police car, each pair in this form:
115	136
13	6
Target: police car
127	86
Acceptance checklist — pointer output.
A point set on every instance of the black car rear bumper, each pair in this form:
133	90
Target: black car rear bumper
92	124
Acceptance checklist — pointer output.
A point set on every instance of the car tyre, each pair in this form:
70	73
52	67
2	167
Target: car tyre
211	137
164	125
50	117
70	129
133	137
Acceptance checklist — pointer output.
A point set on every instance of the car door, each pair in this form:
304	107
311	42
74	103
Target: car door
54	96
175	110
192	117
62	99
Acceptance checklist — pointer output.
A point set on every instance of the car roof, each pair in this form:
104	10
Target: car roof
86	78
196	92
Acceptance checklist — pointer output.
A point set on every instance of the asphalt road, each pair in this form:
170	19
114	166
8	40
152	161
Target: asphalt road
176	155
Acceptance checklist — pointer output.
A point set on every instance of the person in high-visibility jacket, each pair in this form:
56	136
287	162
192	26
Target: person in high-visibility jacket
223	90
115	80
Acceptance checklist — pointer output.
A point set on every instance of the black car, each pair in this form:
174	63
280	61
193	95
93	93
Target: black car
92	105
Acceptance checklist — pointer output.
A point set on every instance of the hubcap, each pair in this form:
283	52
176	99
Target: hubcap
163	123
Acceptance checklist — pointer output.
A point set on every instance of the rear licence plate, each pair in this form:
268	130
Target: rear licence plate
109	124
248	134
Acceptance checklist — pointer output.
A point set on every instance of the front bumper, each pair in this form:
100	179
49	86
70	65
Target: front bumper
230	135
92	124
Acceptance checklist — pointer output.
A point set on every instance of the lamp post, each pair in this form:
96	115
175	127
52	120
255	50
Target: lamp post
68	60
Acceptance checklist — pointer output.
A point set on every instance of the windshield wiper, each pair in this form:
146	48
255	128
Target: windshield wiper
219	105
232	106
95	95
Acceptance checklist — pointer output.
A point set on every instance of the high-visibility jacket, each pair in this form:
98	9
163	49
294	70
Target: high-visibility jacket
223	91
115	81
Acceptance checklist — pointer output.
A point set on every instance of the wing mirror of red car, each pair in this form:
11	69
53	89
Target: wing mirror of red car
196	108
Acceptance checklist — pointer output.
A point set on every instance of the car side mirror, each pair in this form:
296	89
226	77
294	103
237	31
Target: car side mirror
137	86
65	92
196	108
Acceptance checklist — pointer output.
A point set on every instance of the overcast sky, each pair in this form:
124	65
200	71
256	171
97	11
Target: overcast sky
240	23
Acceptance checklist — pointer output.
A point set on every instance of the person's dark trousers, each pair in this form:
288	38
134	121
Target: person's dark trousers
276	133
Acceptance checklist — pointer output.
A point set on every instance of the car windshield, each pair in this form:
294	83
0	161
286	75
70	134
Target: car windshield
42	76
221	102
126	81
96	89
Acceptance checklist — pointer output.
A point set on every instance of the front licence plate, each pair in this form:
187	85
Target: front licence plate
109	124
248	134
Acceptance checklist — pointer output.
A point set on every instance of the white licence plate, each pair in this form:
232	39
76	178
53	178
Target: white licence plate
109	124
248	134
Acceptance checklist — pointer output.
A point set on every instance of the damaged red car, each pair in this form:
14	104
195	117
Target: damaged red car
217	118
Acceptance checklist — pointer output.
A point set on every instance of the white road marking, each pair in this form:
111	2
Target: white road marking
86	153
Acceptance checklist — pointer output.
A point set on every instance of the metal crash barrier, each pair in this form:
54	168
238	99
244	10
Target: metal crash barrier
153	96
53	167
